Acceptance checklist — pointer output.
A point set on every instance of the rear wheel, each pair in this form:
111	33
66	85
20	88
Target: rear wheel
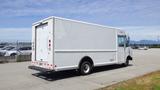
126	63
85	68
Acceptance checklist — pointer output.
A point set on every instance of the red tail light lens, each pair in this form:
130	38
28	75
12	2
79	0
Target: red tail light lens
49	44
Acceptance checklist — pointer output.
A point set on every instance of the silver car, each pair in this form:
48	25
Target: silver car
5	49
13	51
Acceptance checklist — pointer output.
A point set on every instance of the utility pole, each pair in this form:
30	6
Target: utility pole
158	36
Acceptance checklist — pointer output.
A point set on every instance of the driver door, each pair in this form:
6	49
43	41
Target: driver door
121	48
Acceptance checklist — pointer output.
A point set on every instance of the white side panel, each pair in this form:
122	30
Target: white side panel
66	60
74	35
74	40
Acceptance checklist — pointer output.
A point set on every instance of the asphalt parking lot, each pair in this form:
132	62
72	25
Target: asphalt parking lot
17	76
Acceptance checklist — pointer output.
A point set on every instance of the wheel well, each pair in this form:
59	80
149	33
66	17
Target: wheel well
86	58
129	58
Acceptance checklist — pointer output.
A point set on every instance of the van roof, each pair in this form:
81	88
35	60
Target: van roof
52	17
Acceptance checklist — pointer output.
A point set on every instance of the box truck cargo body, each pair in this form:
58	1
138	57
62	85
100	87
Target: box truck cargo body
63	44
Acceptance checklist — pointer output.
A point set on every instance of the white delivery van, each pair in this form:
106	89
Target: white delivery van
64	44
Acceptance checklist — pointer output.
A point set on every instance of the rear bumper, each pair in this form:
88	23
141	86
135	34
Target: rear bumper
39	69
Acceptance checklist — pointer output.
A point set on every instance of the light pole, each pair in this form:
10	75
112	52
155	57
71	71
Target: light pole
158	36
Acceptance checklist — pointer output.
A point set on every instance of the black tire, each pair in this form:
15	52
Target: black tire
13	54
126	63
85	68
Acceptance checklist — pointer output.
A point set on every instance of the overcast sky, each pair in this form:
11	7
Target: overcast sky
140	18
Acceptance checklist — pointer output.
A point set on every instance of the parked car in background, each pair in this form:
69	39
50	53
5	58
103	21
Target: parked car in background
2	46
25	51
13	51
134	47
143	48
5	49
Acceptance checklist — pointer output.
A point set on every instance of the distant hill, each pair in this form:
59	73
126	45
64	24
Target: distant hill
145	42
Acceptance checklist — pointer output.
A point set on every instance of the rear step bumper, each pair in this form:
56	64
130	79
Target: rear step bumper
39	69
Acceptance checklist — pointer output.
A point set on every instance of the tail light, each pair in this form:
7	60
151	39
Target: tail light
49	44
